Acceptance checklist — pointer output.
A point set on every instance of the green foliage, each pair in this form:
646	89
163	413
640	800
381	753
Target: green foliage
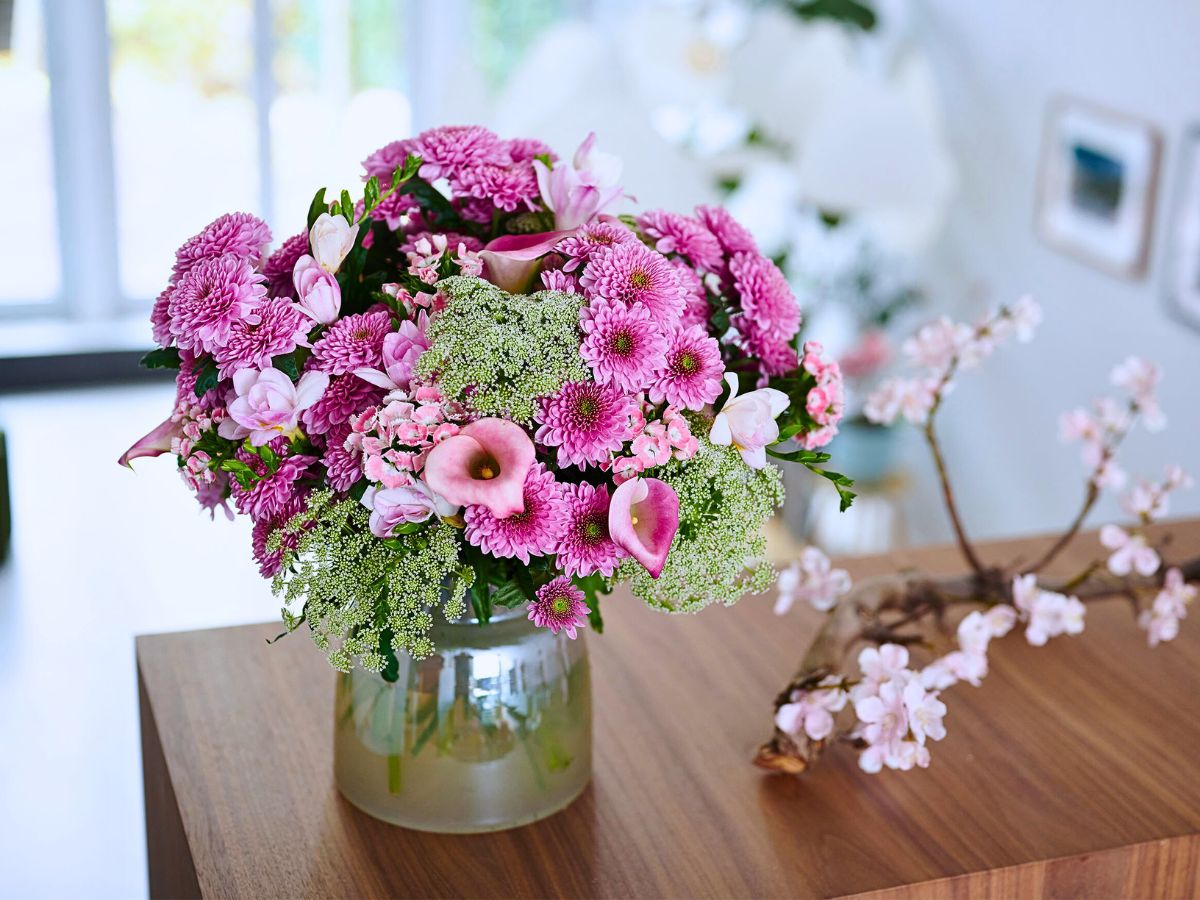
162	358
719	553
319	205
848	12
594	586
207	379
507	349
811	460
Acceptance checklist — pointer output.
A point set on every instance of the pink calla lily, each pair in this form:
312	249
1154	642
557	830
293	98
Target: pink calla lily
513	260
156	443
643	517
485	464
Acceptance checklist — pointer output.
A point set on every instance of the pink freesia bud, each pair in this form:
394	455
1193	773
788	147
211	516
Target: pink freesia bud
485	464
331	239
748	422
267	404
582	190
319	295
412	502
156	443
643	517
512	260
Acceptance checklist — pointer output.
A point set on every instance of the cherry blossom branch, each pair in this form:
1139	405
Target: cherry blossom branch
960	534
1090	498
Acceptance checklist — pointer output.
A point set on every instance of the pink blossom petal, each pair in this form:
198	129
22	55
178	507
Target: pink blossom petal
483	465
513	259
643	517
156	443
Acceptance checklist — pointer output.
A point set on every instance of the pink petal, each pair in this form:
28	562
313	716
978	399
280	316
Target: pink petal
513	259
455	467
155	443
655	507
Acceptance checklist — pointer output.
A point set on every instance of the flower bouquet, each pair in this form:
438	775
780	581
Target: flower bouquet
477	394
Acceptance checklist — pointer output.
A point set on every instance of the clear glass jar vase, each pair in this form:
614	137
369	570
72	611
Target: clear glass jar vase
492	731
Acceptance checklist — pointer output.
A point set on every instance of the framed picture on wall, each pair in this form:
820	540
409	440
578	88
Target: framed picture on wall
1099	174
1181	279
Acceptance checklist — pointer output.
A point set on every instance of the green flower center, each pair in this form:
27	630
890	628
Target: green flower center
687	363
639	280
622	342
560	606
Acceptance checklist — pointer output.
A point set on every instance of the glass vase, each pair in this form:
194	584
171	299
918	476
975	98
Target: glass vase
492	731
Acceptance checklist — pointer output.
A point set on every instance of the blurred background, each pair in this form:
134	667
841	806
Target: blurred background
902	159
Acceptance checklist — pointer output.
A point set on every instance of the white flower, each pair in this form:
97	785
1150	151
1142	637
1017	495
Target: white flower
811	712
1053	614
331	239
813	579
880	665
897	721
748	422
925	712
1077	425
1025	316
910	397
936	344
1130	553
1161	621
1140	378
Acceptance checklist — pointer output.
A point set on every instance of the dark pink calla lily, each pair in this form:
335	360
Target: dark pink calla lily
485	464
643	517
513	260
156	443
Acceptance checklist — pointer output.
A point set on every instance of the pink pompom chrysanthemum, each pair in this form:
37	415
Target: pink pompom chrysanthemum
622	344
281	327
558	280
343	466
633	273
730	234
776	356
243	235
213	295
695	299
590	238
451	149
355	342
344	397
586	546
281	264
528	149
387	159
268	496
673	233
269	561
160	319
766	298
534	532
585	421
692	375
506	186
559	606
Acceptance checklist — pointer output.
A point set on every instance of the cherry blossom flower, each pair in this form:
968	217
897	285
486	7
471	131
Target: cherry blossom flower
1140	378
935	345
1053	614
810	713
1161	621
910	397
812	579
1130	552
879	665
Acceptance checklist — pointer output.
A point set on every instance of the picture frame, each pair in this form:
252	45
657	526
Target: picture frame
1098	185
1181	270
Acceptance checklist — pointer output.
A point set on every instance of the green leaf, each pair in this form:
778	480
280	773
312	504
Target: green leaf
319	205
286	363
508	595
848	12
370	195
347	207
810	459
208	377
162	358
412	165
391	665
594	587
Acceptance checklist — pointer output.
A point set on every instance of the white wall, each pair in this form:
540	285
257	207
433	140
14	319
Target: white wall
998	65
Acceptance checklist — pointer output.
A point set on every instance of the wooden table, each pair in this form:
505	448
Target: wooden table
1073	771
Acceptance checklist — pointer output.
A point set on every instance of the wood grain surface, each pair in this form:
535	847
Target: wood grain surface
1073	771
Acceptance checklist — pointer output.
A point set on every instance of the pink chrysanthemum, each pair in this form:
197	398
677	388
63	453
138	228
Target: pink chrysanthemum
692	375
212	495
766	298
585	421
473	209
695	299
588	239
622	344
160	319
344	397
558	280
355	342
534	532
776	356
730	234
343	467
586	546
185	385
280	328
683	235
392	209
447	151
633	273
270	495
243	235
279	266
559	606
506	186
268	562
527	150
387	159
213	295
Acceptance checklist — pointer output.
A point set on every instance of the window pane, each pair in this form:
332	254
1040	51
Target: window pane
29	241
501	33
184	134
341	92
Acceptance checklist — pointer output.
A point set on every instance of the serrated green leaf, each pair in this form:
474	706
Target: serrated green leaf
508	595
162	358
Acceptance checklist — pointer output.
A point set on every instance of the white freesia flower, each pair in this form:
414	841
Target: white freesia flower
331	239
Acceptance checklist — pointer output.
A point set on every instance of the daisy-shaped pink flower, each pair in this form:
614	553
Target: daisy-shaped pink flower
213	295
280	328
355	342
730	234
692	371
559	606
766	298
243	235
345	396
586	546
633	273
535	532
585	421
280	265
271	494
622	344
685	236
695	299
579	246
